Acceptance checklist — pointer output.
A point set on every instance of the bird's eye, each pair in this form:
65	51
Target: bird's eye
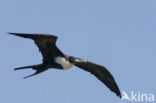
71	59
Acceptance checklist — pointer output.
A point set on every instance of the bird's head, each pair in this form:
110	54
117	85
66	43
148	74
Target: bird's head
73	59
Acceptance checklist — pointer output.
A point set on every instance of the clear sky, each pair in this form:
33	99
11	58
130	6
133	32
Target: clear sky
119	34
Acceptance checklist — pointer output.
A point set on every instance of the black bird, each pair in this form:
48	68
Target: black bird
54	58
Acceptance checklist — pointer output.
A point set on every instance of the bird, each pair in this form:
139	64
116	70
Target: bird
55	58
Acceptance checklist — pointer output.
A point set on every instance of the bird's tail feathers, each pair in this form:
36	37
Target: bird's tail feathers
27	67
39	69
37	72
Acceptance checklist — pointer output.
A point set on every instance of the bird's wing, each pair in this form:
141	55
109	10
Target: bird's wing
101	73
45	43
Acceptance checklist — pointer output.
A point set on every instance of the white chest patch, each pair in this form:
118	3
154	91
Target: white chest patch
65	63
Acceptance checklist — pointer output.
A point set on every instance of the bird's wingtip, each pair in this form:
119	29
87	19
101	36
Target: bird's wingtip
11	33
118	93
119	96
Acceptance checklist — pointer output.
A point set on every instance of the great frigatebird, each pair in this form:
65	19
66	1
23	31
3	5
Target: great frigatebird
54	58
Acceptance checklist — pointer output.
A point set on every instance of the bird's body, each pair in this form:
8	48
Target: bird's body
54	58
64	62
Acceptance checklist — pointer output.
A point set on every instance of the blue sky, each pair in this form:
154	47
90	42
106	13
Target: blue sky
119	34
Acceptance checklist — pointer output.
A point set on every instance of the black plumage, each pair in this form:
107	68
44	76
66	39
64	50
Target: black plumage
54	58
